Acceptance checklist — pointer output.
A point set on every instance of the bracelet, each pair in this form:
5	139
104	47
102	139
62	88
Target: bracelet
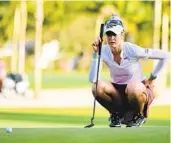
94	55
152	76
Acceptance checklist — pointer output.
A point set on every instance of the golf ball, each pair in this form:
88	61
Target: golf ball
8	130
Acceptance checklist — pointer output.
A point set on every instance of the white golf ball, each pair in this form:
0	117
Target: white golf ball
8	130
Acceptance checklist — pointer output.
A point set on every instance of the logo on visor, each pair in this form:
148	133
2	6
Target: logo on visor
111	23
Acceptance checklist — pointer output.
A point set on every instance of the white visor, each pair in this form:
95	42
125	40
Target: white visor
117	29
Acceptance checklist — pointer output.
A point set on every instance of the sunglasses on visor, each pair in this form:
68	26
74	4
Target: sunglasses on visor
111	23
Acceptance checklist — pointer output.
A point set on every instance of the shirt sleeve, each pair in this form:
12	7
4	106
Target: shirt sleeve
94	66
93	70
145	53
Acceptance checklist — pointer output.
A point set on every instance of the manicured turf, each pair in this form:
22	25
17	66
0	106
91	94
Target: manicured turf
40	125
159	116
70	79
95	135
62	80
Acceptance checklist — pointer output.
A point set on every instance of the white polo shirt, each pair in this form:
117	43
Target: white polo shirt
130	67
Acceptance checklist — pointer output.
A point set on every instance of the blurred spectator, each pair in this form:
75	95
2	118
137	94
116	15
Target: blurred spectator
50	52
2	73
17	82
76	60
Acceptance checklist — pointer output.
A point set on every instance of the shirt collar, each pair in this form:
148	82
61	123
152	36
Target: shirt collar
121	55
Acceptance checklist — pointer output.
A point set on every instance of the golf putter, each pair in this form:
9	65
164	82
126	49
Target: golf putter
99	54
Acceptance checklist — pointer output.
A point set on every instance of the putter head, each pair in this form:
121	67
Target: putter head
89	126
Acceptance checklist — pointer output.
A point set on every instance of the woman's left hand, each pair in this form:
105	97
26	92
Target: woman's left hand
149	83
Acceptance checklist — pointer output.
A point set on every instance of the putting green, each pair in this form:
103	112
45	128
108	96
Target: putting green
42	125
77	135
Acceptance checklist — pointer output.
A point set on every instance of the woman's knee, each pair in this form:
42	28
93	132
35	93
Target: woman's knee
136	90
100	88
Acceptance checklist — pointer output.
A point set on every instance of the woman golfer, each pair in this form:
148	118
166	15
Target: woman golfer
128	95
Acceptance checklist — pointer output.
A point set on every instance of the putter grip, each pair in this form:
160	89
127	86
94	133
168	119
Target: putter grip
101	36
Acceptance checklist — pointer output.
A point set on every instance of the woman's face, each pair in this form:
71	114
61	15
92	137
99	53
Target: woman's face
114	41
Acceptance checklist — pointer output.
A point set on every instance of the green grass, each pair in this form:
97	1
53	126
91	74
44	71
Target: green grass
77	135
65	125
63	80
79	116
69	79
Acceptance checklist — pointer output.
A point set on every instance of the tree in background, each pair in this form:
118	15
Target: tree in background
74	23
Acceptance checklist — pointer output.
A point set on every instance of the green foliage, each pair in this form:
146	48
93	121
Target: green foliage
31	22
6	20
73	23
59	16
78	34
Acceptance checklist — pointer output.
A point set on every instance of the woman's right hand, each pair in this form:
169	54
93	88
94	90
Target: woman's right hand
95	45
